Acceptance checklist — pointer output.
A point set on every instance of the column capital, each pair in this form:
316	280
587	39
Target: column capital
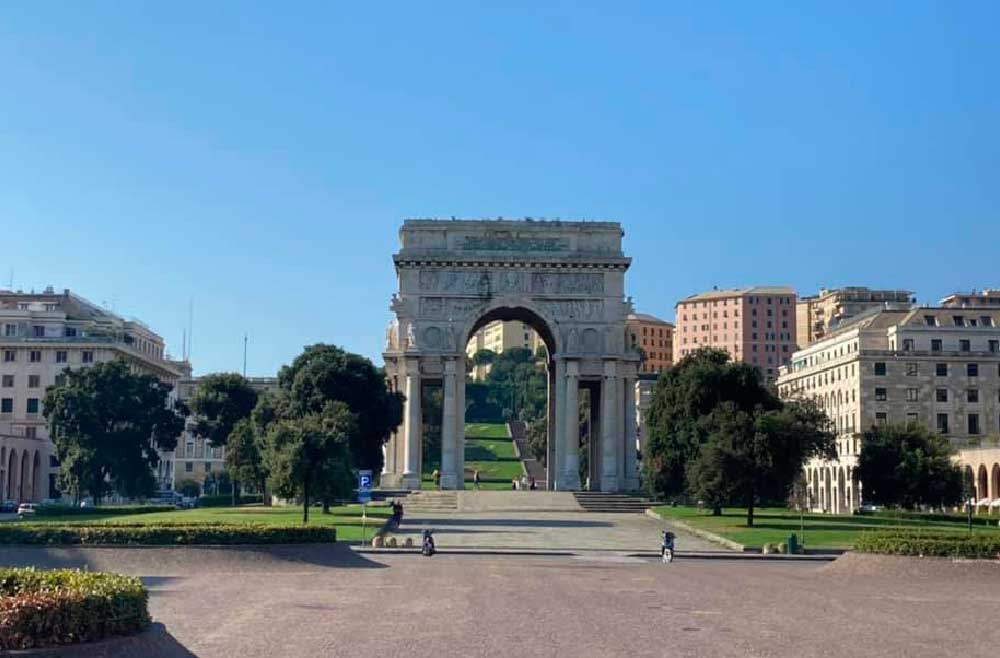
449	365
572	368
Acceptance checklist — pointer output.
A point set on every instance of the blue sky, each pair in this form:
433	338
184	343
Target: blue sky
258	158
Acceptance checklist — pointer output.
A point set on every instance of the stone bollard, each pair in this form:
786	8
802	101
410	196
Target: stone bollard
391	542
377	541
408	542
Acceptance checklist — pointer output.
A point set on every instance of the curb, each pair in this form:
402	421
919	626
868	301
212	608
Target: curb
704	534
465	551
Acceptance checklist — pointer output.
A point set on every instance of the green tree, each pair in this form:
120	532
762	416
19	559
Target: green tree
683	396
749	457
326	373
517	383
244	456
107	424
219	402
908	465
309	456
189	488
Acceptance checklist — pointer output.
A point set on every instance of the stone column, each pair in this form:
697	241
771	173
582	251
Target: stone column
412	427
550	426
460	422
631	440
449	479
571	427
556	466
609	434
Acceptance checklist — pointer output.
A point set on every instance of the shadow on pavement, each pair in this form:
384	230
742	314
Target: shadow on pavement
447	522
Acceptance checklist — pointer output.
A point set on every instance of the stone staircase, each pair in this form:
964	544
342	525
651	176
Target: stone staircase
612	503
518	432
419	502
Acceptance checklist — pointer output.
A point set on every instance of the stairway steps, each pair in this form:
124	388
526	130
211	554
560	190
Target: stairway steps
612	503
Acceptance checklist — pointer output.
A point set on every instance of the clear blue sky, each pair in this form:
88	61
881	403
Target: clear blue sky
258	158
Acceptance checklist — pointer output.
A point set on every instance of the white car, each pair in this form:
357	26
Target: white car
26	509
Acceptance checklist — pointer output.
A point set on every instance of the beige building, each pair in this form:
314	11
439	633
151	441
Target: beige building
42	334
935	366
988	297
655	338
497	337
754	325
817	315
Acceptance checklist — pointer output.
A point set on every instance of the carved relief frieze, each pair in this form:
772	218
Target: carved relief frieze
575	309
567	283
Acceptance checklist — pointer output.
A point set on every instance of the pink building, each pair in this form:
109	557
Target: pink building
754	325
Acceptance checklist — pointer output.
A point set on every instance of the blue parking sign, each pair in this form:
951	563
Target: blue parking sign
364	487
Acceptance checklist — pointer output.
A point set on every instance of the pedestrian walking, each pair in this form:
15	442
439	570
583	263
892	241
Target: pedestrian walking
475	479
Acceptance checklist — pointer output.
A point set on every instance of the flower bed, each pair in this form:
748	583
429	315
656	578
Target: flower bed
933	544
162	534
43	608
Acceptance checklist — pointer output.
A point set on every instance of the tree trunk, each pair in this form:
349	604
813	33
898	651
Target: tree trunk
716	510
236	491
750	511
305	502
326	505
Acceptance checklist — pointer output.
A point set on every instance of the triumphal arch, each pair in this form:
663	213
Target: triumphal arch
564	279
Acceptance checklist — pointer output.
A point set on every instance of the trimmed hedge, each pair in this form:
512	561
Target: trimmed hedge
43	608
934	517
226	500
163	534
113	510
933	544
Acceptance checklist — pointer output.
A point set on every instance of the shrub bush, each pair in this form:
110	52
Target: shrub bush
163	534
935	544
114	510
227	500
42	608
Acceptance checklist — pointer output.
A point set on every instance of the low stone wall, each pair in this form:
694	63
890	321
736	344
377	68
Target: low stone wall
704	534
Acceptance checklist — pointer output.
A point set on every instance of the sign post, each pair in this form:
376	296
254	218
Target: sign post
364	497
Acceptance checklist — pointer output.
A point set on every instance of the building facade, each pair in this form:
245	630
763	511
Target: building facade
497	337
988	297
817	315
754	325
654	338
41	335
939	367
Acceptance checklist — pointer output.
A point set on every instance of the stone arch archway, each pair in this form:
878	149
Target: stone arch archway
24	480
995	481
36	477
565	280
982	483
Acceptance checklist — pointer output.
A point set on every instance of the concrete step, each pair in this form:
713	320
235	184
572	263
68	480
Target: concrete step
612	503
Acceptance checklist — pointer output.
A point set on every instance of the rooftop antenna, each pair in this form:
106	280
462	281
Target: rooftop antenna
245	338
190	326
10	280
184	346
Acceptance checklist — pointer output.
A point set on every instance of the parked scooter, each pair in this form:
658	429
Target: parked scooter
427	545
667	547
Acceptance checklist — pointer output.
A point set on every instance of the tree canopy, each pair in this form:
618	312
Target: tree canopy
908	465
107	424
326	373
219	402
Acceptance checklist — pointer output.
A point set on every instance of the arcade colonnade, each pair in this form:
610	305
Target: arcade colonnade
833	488
21	475
566	281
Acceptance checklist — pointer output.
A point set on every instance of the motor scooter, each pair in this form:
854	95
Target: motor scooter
427	545
667	547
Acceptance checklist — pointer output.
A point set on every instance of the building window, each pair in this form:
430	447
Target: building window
942	423
880	369
935	345
31	432
10	330
70	332
61	356
35	356
38	331
972	369
912	394
912	369
880	395
973	423
34	381
188	467
8	381
31	405
60	380
941	395
911	418
88	356
881	418
994	346
959	320
7	406
941	369
972	395
907	344
8	356
964	345
208	466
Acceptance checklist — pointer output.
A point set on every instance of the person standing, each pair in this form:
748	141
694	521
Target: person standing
475	479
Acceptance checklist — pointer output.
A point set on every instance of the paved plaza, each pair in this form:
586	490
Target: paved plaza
317	601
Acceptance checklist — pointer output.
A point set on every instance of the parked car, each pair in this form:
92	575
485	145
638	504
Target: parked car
8	507
26	509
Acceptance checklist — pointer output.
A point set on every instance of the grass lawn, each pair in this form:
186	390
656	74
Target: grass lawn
346	518
488	448
821	530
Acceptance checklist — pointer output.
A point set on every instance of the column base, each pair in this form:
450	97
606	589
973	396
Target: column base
609	483
569	482
391	481
449	481
410	481
632	484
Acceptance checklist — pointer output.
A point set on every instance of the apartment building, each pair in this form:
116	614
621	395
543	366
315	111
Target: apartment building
41	335
936	366
655	338
754	325
988	297
499	336
817	315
